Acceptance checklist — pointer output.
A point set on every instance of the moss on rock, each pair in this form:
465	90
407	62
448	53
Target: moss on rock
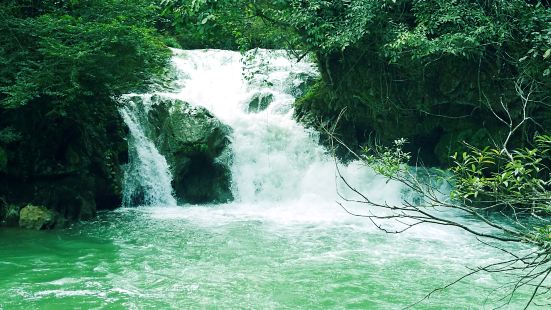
436	106
195	144
36	218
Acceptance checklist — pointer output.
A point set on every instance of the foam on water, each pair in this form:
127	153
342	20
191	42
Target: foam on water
275	158
284	243
147	173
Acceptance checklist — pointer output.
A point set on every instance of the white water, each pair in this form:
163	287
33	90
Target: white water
284	243
277	162
279	172
147	172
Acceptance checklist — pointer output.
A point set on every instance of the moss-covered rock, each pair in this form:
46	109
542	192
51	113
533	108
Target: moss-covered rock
193	140
196	146
436	106
259	102
36	217
69	163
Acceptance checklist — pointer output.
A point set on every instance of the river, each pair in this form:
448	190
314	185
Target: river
283	243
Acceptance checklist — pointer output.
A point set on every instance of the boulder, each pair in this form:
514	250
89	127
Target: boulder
196	146
36	217
194	142
259	102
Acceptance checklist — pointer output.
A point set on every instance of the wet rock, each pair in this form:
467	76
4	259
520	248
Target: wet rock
299	83
192	139
36	217
196	146
259	102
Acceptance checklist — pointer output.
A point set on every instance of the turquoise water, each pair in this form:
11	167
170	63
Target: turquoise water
229	257
283	244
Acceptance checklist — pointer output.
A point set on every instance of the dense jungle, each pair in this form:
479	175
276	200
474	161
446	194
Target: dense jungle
372	154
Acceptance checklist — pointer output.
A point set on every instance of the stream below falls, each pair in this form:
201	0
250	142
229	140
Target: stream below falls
283	243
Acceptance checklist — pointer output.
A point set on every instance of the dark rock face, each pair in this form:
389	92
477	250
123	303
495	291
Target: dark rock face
435	106
196	146
68	163
259	102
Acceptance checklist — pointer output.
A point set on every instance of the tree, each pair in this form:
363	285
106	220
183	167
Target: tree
62	66
507	192
225	24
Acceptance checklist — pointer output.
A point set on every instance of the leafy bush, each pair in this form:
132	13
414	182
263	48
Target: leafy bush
518	181
514	182
63	51
62	66
225	24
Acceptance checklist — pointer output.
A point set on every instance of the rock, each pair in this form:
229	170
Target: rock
73	167
196	146
193	130
259	102
36	217
299	83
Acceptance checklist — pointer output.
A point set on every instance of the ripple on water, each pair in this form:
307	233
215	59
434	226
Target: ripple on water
151	258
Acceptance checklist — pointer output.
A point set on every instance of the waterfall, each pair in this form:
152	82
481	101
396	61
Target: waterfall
275	159
147	176
254	94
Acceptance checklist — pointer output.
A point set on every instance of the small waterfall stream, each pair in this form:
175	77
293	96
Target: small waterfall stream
146	176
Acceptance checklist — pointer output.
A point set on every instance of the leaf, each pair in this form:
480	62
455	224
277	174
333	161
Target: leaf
547	54
206	19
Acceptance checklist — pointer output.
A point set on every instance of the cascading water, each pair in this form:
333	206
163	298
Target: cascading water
275	158
282	244
146	176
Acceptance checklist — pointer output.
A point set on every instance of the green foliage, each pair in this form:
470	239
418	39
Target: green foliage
62	66
410	29
543	235
9	135
431	71
80	48
225	24
516	183
328	26
519	179
387	161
